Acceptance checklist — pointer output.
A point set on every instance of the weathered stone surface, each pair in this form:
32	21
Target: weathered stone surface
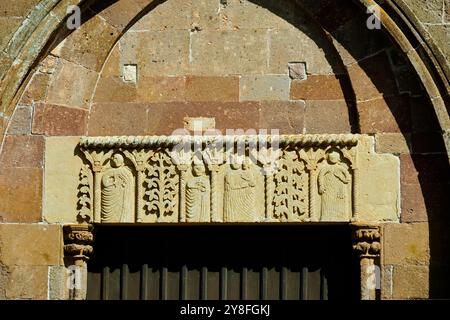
212	88
318	88
414	208
62	168
222	52
36	90
424	168
372	78
8	26
26	282
407	243
327	117
427	11
21	121
53	120
410	282
57	283
396	143
287	117
115	118
90	44
71	91
236	15
161	89
43	244
118	14
385	115
21	194
114	89
264	88
22	152
112	67
18	8
153	55
169	15
379	186
294	45
386	282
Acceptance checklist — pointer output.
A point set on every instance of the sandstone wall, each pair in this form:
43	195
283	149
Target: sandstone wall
229	62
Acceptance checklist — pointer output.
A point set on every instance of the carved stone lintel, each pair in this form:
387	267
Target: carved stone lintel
78	240
367	245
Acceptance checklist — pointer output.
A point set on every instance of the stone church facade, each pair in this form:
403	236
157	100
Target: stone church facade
178	114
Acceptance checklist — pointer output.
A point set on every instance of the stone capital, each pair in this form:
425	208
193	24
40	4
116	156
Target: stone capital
78	240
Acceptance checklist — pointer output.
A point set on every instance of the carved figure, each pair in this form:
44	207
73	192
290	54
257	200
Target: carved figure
239	201
333	180
117	192
198	196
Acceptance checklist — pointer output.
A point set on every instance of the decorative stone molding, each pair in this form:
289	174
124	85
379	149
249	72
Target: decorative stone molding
259	178
367	245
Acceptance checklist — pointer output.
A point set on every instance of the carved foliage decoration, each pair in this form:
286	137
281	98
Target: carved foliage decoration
85	195
162	185
291	188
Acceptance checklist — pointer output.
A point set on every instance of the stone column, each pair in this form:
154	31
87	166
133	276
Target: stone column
182	168
367	245
78	240
215	217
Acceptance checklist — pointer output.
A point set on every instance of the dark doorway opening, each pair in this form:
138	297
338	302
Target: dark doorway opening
229	262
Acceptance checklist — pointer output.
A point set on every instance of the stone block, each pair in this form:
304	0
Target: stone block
112	65
57	283
89	45
410	282
154	55
327	117
115	118
319	88
294	45
372	78
117	14
379	185
72	85
161	89
425	168
385	115
63	165
21	121
427	11
27	282
21	194
114	89
217	53
423	116
38	244
287	117
54	120
267	14
22	152
169	15
406	243
36	90
212	88
265	88
396	143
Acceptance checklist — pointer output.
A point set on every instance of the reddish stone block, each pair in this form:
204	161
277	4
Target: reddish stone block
287	117
212	88
21	121
385	115
372	78
54	120
319	88
21	194
36	90
424	168
114	89
161	89
118	119
22	152
327	117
